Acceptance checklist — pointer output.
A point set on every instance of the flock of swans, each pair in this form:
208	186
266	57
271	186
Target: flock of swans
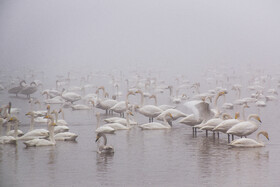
203	111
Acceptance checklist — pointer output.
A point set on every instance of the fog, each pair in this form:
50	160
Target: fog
159	34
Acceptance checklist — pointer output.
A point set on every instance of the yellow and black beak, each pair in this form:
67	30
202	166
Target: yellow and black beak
97	138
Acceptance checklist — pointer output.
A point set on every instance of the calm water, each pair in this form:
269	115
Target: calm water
142	158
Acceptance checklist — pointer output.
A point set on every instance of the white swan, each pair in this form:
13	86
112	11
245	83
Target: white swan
248	142
28	90
103	129
190	120
43	142
245	128
104	149
6	139
119	126
59	128
174	112
150	111
156	125
65	136
70	96
122	106
162	107
36	133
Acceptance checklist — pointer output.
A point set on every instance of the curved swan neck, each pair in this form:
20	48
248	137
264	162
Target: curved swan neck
165	120
155	98
104	138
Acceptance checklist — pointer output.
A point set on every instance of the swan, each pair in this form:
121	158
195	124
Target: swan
248	142
70	96
121	120
156	125
28	90
36	133
122	106
80	107
43	142
212	123
245	128
6	139
60	127
190	120
201	108
17	89
150	111
162	107
65	136
51	93
104	149
175	115
119	126
54	100
103	129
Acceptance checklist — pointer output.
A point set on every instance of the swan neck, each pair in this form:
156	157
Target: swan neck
51	130
16	129
105	139
127	120
32	122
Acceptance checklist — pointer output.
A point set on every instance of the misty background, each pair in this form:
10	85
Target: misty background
182	35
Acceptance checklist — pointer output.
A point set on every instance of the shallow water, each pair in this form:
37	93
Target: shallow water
171	157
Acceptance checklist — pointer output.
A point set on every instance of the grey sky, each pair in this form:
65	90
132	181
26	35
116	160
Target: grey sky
150	33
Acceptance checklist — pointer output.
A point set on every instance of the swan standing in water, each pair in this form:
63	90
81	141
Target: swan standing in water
43	142
156	125
150	111
248	142
28	90
17	89
245	128
104	149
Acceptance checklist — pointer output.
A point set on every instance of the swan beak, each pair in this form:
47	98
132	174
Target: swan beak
259	120
97	138
267	137
54	124
46	117
27	113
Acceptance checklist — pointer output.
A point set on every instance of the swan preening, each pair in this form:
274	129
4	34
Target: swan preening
104	149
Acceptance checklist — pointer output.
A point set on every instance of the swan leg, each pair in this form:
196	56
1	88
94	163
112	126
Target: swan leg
206	132
228	138
218	134
232	137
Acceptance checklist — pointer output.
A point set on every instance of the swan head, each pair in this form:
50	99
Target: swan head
128	112
28	114
37	102
13	119
98	136
222	93
265	134
237	115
